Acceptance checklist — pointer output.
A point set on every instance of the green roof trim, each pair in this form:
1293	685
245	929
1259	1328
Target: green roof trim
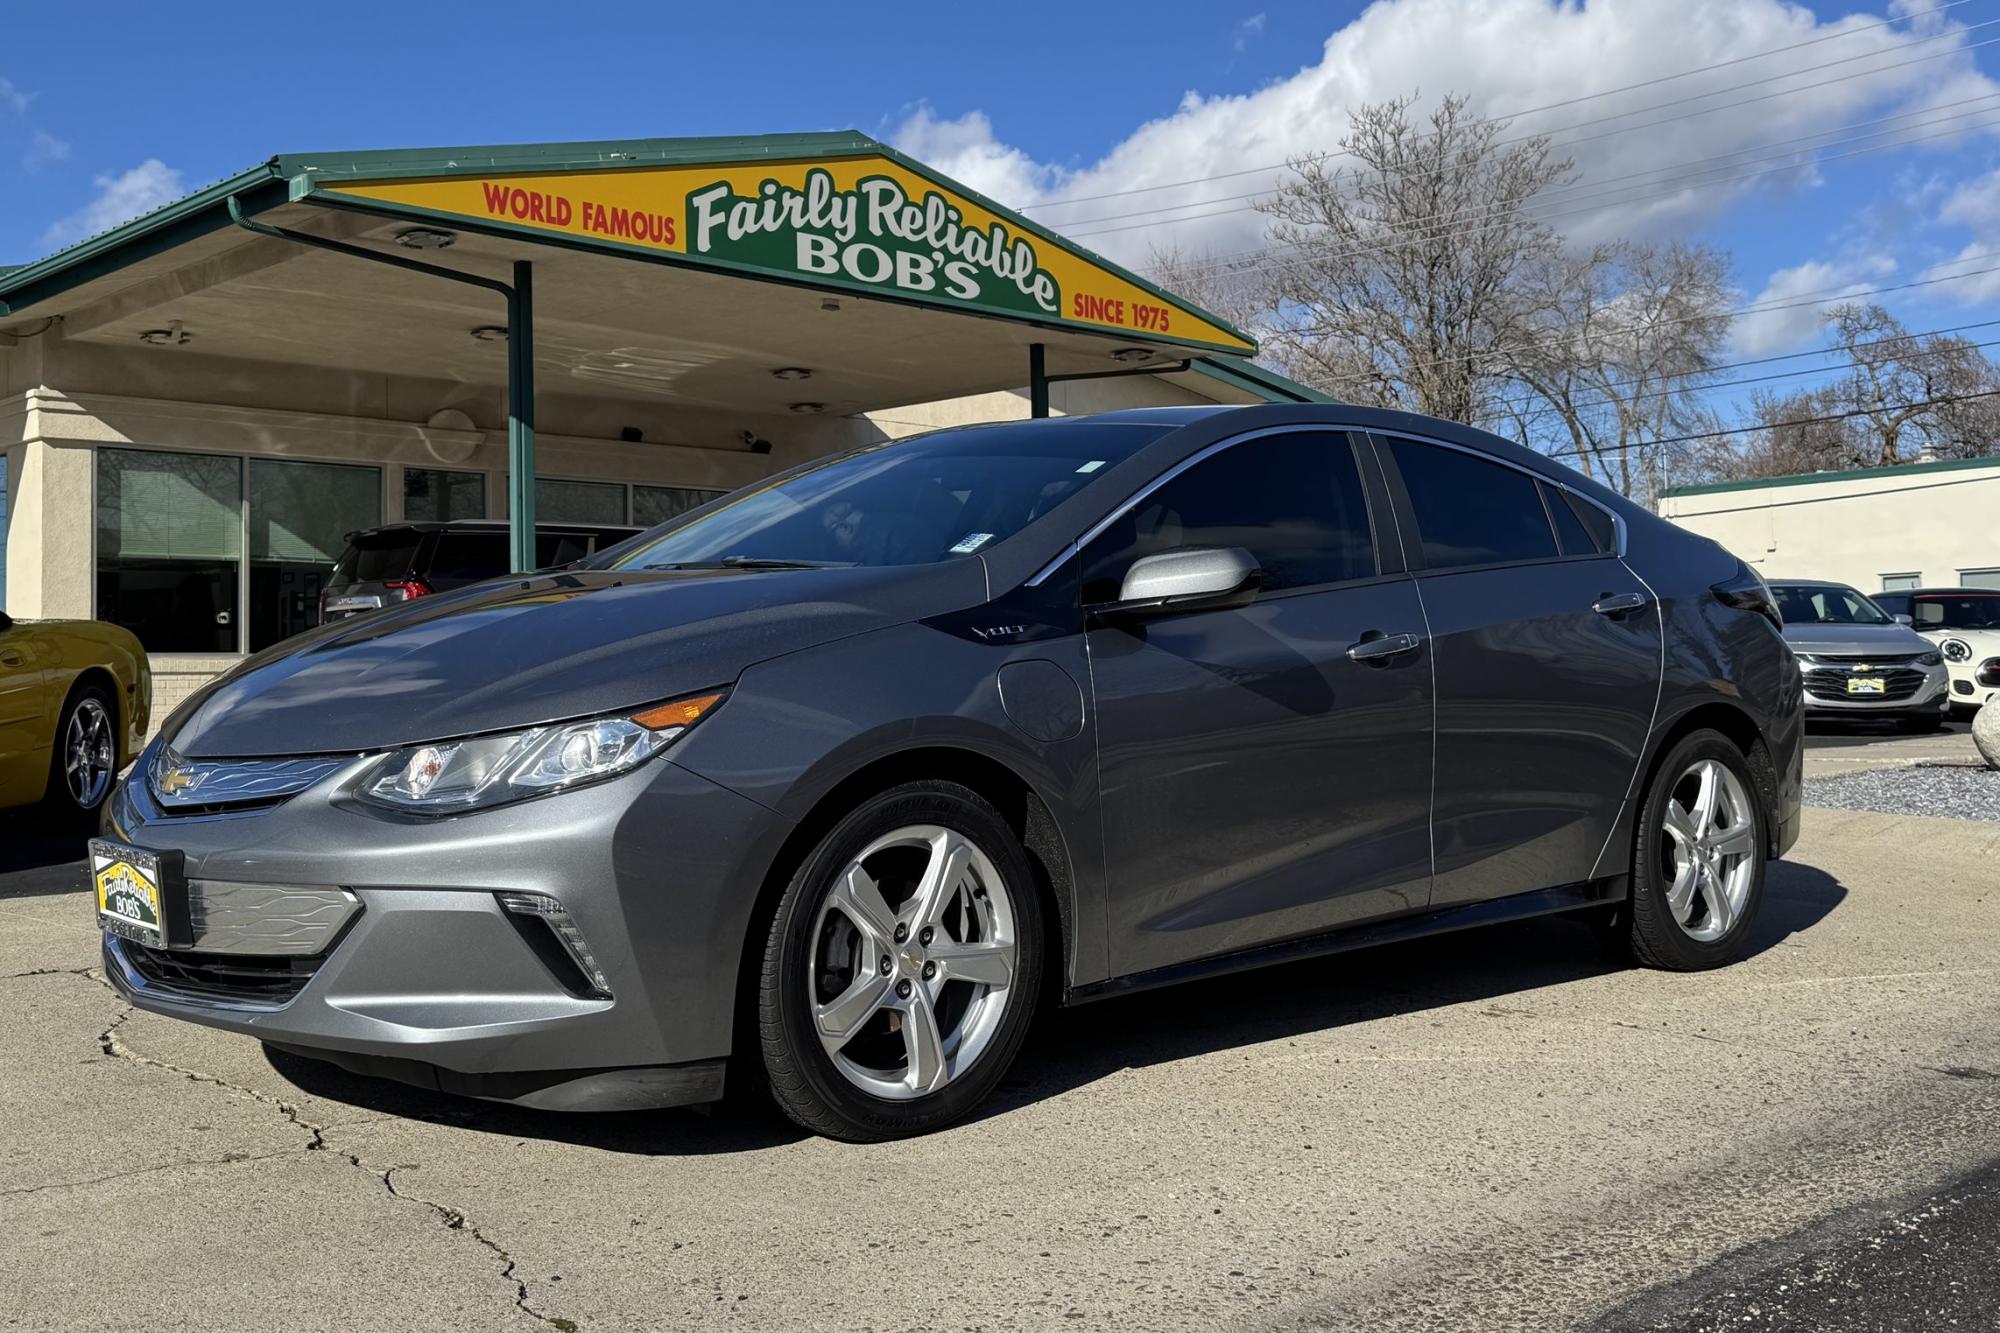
302	174
1253	378
1815	478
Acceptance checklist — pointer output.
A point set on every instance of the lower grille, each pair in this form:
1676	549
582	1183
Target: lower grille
1897	683
241	978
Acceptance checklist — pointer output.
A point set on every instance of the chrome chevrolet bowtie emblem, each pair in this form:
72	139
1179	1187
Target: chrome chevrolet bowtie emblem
177	780
1861	666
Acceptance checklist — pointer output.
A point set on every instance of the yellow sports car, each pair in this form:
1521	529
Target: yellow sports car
74	700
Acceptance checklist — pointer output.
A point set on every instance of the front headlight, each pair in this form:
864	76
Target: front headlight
446	777
1958	650
1931	659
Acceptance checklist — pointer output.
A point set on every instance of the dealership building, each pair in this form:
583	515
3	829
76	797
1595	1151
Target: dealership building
197	406
1882	529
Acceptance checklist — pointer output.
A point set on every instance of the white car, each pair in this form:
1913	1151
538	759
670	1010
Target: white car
1965	625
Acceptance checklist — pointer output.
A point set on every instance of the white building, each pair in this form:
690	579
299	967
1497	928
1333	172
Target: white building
1876	529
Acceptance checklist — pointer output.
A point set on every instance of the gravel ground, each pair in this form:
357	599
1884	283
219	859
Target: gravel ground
1951	792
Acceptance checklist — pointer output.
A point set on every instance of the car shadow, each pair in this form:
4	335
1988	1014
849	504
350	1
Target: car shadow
41	851
1072	1048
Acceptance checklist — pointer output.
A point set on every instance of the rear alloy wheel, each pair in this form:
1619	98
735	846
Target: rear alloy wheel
85	761
902	968
1698	858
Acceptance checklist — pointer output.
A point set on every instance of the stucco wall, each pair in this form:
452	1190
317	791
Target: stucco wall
1932	522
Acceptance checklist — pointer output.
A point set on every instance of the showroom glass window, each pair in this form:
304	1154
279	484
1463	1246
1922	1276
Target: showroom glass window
169	548
300	515
435	495
1472	512
657	504
1293	500
578	501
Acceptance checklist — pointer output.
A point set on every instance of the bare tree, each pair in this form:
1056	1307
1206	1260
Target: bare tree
1403	285
1233	288
1625	336
1902	396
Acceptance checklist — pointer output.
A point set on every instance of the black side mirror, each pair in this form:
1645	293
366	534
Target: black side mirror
1193	578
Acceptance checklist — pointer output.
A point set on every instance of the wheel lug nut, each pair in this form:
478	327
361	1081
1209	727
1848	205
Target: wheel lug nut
903	989
930	970
924	936
902	932
887	966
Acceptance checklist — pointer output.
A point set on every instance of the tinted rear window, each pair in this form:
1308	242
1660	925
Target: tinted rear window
467	557
377	557
1471	511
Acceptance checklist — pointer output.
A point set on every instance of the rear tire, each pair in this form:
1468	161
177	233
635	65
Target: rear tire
83	763
1699	856
902	967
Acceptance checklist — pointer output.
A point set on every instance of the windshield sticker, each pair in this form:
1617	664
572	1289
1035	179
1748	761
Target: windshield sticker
971	542
1092	465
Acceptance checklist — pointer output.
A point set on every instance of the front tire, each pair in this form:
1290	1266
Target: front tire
84	760
902	966
1698	858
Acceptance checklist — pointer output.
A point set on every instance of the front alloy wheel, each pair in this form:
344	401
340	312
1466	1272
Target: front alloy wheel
1698	858
902	966
86	755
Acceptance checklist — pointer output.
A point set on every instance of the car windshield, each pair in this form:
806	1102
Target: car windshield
1813	604
1975	610
919	501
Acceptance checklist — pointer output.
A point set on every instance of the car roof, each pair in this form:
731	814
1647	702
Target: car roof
1948	592
1810	583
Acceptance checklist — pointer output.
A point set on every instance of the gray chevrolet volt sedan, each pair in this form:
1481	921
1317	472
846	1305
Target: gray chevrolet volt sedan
827	786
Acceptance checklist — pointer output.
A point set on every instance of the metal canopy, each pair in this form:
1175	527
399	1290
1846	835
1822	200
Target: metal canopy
680	270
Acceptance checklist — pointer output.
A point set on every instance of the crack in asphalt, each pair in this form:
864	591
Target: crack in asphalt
227	1159
454	1219
49	972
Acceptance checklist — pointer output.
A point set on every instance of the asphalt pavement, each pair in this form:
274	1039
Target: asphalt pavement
1497	1130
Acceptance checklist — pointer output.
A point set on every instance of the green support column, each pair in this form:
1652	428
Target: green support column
521	419
1038	382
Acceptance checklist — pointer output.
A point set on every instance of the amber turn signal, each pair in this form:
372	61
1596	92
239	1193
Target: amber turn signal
679	713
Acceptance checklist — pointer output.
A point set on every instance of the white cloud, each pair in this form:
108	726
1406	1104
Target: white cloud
1765	332
1247	31
1508	56
119	199
15	98
44	148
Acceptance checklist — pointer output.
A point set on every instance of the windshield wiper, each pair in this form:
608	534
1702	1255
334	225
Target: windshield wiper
748	562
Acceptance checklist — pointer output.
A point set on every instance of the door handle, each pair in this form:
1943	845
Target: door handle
1383	645
1612	603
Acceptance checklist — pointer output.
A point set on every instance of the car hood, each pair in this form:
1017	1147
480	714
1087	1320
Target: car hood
516	652
1889	640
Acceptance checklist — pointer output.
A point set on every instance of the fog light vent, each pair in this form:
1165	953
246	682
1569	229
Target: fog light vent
560	928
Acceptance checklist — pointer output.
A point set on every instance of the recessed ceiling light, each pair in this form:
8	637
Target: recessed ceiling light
491	333
426	238
170	336
829	303
792	373
1130	355
808	409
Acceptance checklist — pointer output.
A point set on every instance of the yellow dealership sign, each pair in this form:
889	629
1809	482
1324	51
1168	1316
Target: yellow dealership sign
865	222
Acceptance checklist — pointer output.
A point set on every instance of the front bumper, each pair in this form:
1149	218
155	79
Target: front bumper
1929	698
433	982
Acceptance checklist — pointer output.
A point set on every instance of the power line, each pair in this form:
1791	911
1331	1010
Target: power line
1550	106
1563	204
1543	409
1498	143
1763	425
1585	182
1826	297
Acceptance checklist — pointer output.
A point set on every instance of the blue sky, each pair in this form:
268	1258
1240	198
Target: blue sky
1035	104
